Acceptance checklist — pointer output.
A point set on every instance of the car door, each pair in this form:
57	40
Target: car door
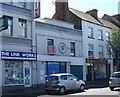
64	81
74	82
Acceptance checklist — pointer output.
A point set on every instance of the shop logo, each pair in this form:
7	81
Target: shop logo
62	48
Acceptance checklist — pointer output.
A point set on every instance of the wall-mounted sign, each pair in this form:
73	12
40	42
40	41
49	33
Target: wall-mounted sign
10	55
36	8
62	48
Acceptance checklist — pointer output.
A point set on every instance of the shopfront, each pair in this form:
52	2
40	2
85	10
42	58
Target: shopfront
55	67
17	68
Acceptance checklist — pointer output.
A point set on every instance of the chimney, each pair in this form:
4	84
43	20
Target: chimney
61	9
93	13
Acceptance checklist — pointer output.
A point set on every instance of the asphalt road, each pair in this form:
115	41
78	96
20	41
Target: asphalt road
94	92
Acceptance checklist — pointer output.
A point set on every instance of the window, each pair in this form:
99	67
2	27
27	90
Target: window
107	36
50	47
22	28
90	34
22	3
64	77
90	50
72	48
13	72
100	51
9	1
100	34
10	26
50	42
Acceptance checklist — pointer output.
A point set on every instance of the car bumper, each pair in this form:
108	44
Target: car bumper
114	85
52	88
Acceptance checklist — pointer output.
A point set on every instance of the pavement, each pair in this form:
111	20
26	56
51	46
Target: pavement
34	92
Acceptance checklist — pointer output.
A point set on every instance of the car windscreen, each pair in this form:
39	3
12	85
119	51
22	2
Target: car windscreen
53	78
116	75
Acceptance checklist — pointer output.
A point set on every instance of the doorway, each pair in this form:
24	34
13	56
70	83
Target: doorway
27	75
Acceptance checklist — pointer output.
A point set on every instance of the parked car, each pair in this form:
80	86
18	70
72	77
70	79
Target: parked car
114	80
63	82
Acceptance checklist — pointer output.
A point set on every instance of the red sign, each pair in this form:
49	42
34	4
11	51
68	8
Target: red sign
36	8
51	50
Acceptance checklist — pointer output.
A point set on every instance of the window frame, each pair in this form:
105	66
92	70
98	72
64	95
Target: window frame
101	51
90	50
100	34
22	28
72	49
90	33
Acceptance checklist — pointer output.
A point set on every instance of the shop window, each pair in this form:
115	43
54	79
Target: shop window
13	72
53	68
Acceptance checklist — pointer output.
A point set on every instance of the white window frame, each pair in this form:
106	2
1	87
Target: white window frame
101	52
22	28
90	49
90	32
100	34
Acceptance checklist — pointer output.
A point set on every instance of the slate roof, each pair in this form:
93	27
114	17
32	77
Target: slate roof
108	24
84	16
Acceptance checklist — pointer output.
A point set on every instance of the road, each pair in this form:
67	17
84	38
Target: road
94	92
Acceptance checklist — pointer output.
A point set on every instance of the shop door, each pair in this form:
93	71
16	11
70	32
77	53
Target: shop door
27	75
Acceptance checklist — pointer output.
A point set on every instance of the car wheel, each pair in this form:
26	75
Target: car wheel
111	88
62	90
82	87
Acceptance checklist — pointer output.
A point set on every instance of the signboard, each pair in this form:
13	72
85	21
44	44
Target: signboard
36	8
51	50
10	55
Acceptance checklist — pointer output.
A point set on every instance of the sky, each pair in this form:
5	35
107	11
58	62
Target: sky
109	7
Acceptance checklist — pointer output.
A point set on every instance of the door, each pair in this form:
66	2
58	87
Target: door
27	75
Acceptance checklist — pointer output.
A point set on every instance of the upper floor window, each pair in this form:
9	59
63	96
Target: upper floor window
90	50
50	46
72	48
22	28
100	51
9	31
100	34
90	34
9	1
22	3
107	36
50	42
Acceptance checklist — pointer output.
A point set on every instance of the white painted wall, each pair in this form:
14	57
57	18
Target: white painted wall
94	41
59	37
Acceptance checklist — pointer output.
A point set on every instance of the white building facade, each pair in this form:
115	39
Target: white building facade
95	52
17	57
59	49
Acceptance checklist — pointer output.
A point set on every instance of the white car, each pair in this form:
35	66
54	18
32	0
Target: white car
114	80
63	82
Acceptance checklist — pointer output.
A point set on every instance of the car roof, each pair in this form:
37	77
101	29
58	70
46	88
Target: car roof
60	74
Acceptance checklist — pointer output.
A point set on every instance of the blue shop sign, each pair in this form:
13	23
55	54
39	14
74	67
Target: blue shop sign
10	55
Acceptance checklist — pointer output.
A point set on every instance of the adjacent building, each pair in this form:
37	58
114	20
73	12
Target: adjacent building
95	35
